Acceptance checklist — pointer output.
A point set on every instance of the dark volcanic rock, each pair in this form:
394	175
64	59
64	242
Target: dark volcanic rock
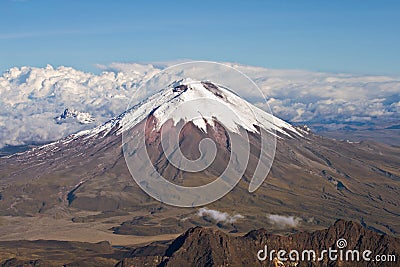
209	247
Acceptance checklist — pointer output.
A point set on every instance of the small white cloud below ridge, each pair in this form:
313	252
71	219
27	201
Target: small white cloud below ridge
218	216
283	221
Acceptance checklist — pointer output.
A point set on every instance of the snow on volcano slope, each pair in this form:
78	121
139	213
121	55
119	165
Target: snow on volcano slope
185	99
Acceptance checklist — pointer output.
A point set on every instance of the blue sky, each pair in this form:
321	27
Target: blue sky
335	36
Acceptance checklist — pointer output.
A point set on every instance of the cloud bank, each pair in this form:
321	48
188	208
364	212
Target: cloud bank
219	216
30	98
313	97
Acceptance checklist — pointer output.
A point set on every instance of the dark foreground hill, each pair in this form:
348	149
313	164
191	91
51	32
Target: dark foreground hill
209	247
200	246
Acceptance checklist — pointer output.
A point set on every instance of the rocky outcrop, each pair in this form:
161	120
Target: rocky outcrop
210	247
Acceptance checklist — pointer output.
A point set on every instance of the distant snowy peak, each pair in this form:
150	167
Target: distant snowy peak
205	101
72	115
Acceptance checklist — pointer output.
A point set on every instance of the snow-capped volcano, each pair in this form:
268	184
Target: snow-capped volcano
311	176
204	101
239	141
74	115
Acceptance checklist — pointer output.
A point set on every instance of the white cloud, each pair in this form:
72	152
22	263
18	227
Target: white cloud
219	216
304	96
283	221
